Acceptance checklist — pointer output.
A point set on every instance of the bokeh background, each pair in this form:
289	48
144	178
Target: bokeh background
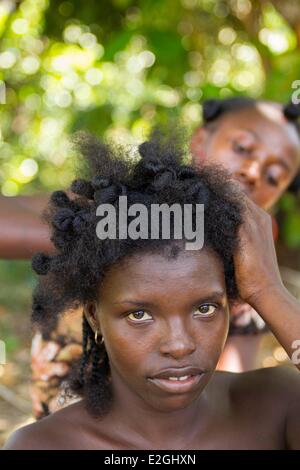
116	68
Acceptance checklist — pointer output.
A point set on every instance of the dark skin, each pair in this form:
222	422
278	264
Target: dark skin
258	146
181	318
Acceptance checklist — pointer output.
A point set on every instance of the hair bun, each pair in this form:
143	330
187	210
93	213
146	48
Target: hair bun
81	220
109	194
98	182
152	154
147	149
60	199
291	111
186	172
211	109
63	219
41	263
163	179
82	188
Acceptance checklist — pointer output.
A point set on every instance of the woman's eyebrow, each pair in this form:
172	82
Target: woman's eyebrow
250	131
280	160
212	296
283	163
137	303
209	296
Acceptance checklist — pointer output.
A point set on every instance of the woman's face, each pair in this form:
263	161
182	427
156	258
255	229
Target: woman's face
164	324
259	148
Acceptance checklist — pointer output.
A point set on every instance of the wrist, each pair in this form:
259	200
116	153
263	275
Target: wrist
266	293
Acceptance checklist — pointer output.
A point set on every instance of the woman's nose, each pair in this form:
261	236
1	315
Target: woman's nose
177	342
250	173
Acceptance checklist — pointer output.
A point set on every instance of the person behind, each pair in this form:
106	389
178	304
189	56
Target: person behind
258	142
156	315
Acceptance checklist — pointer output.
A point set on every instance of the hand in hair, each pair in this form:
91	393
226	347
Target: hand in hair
256	265
258	277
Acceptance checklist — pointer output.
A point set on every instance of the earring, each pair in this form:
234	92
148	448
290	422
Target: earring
96	338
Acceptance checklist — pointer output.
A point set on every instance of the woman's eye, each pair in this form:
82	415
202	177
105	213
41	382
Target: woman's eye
139	316
273	177
206	310
240	148
272	181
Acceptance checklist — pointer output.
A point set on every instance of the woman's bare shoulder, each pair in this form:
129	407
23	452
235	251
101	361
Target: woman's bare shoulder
273	385
56	431
277	387
270	378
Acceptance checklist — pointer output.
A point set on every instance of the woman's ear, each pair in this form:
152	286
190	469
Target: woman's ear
90	312
198	145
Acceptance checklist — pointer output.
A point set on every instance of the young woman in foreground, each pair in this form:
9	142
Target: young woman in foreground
258	142
156	316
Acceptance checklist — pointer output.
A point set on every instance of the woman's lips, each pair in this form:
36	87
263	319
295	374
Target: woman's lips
177	386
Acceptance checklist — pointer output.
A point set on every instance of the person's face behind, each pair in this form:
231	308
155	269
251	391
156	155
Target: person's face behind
257	145
157	314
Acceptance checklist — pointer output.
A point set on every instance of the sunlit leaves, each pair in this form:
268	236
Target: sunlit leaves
118	67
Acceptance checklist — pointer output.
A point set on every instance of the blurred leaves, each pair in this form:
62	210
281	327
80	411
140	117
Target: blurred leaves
16	277
118	67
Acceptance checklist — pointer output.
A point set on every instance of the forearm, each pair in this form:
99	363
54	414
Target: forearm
35	203
281	311
22	232
21	242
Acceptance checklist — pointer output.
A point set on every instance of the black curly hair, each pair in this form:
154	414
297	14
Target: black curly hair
215	108
71	277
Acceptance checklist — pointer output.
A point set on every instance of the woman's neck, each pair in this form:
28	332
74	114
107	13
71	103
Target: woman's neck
143	425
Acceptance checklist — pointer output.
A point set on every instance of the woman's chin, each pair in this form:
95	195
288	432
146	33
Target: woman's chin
174	402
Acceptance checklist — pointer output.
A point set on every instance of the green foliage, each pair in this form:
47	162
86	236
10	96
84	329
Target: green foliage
16	283
116	67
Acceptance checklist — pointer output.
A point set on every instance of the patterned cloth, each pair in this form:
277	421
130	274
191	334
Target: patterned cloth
51	362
